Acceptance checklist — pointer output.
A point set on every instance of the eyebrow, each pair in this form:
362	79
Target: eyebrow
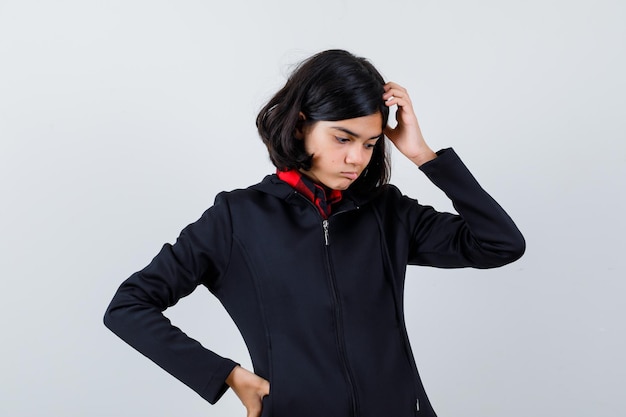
351	133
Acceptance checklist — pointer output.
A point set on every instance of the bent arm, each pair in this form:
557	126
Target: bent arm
199	256
482	235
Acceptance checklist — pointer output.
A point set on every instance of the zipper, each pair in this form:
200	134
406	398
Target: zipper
325	227
339	333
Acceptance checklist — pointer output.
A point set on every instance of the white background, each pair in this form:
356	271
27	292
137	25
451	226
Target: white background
121	120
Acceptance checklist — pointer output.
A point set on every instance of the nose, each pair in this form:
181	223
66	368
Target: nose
357	155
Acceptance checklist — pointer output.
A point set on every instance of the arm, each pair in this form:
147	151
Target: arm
199	256
482	235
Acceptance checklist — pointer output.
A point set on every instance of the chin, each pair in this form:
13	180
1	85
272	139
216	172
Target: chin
341	186
338	183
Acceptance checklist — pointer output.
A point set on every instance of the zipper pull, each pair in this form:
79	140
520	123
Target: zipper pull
325	227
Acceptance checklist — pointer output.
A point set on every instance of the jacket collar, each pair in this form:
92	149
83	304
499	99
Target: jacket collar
322	197
272	185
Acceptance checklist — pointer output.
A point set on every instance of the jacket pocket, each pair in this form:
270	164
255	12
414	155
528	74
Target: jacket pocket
266	404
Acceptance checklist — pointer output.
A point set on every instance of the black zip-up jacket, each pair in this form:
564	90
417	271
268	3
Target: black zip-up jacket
319	303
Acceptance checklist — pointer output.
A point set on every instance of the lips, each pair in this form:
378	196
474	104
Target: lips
350	175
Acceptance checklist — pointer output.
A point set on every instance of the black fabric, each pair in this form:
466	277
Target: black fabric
322	318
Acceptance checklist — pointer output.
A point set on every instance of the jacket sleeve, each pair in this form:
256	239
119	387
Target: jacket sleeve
482	235
199	256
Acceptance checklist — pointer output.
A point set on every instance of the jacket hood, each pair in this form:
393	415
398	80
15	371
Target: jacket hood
276	187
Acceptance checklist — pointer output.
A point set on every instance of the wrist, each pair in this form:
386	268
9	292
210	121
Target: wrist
232	377
424	156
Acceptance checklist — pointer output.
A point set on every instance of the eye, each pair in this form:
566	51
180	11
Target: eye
370	145
342	140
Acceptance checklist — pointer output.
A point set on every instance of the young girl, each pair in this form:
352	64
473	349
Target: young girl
310	263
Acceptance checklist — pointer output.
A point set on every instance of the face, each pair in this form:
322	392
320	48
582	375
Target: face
341	149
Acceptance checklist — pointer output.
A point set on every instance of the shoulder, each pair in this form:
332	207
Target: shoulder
269	188
392	205
387	194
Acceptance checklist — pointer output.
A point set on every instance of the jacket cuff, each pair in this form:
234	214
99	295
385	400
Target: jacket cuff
444	156
217	386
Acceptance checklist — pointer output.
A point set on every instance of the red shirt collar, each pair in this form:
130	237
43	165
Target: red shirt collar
322	197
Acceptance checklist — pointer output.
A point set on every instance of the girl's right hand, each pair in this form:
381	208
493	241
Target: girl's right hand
250	388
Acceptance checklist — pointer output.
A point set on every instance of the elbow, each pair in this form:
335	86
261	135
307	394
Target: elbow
515	249
502	253
109	319
117	320
115	316
518	247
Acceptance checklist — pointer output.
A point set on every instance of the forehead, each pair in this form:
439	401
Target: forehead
365	127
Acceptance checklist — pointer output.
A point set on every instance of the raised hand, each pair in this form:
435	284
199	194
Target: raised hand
406	136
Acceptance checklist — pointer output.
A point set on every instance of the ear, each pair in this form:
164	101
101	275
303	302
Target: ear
300	126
